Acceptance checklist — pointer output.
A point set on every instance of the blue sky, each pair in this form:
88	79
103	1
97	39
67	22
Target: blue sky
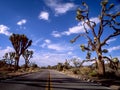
51	24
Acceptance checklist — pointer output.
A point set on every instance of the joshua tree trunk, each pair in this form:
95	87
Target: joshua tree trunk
101	66
17	62
26	63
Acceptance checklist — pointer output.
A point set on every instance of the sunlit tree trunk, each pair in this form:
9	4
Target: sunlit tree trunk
17	57
101	66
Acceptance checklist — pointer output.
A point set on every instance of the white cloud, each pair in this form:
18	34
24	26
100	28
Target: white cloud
6	50
63	8
60	7
79	28
43	58
56	47
44	15
4	30
21	22
35	43
48	41
70	53
75	29
114	48
56	34
43	45
60	47
111	40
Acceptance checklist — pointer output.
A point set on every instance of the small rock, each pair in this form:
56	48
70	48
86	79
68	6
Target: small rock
88	80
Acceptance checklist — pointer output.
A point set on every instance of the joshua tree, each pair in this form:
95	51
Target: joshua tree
66	64
5	57
20	44
27	56
9	57
96	41
113	62
12	56
76	62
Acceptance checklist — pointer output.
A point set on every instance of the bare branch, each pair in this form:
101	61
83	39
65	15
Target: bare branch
110	36
88	60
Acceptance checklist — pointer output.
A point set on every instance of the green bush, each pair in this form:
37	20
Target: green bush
93	73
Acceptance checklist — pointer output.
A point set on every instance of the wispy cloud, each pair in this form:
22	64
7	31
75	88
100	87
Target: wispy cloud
69	53
44	58
56	47
79	28
35	43
56	34
47	41
59	7
75	29
47	58
4	30
44	15
6	50
59	47
111	40
114	48
21	22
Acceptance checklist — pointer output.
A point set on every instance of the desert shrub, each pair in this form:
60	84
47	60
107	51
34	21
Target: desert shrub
21	70
110	74
2	63
59	67
93	73
34	65
85	70
75	71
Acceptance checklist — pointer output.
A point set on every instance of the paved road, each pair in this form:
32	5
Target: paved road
48	80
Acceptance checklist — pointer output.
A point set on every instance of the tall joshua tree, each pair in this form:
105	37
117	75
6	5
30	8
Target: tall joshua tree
27	56
20	44
96	42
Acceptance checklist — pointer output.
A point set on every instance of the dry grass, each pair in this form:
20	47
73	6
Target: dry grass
6	72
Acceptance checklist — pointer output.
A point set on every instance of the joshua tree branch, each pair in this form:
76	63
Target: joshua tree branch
110	36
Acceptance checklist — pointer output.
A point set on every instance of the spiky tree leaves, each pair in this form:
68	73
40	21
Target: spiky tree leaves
12	57
27	56
9	57
20	44
5	56
96	42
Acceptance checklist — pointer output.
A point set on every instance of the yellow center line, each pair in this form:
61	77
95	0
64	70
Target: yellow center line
49	86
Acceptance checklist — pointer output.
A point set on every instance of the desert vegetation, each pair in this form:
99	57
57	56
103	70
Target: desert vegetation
10	63
95	41
102	64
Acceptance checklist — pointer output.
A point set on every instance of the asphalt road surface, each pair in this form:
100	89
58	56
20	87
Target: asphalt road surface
48	80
